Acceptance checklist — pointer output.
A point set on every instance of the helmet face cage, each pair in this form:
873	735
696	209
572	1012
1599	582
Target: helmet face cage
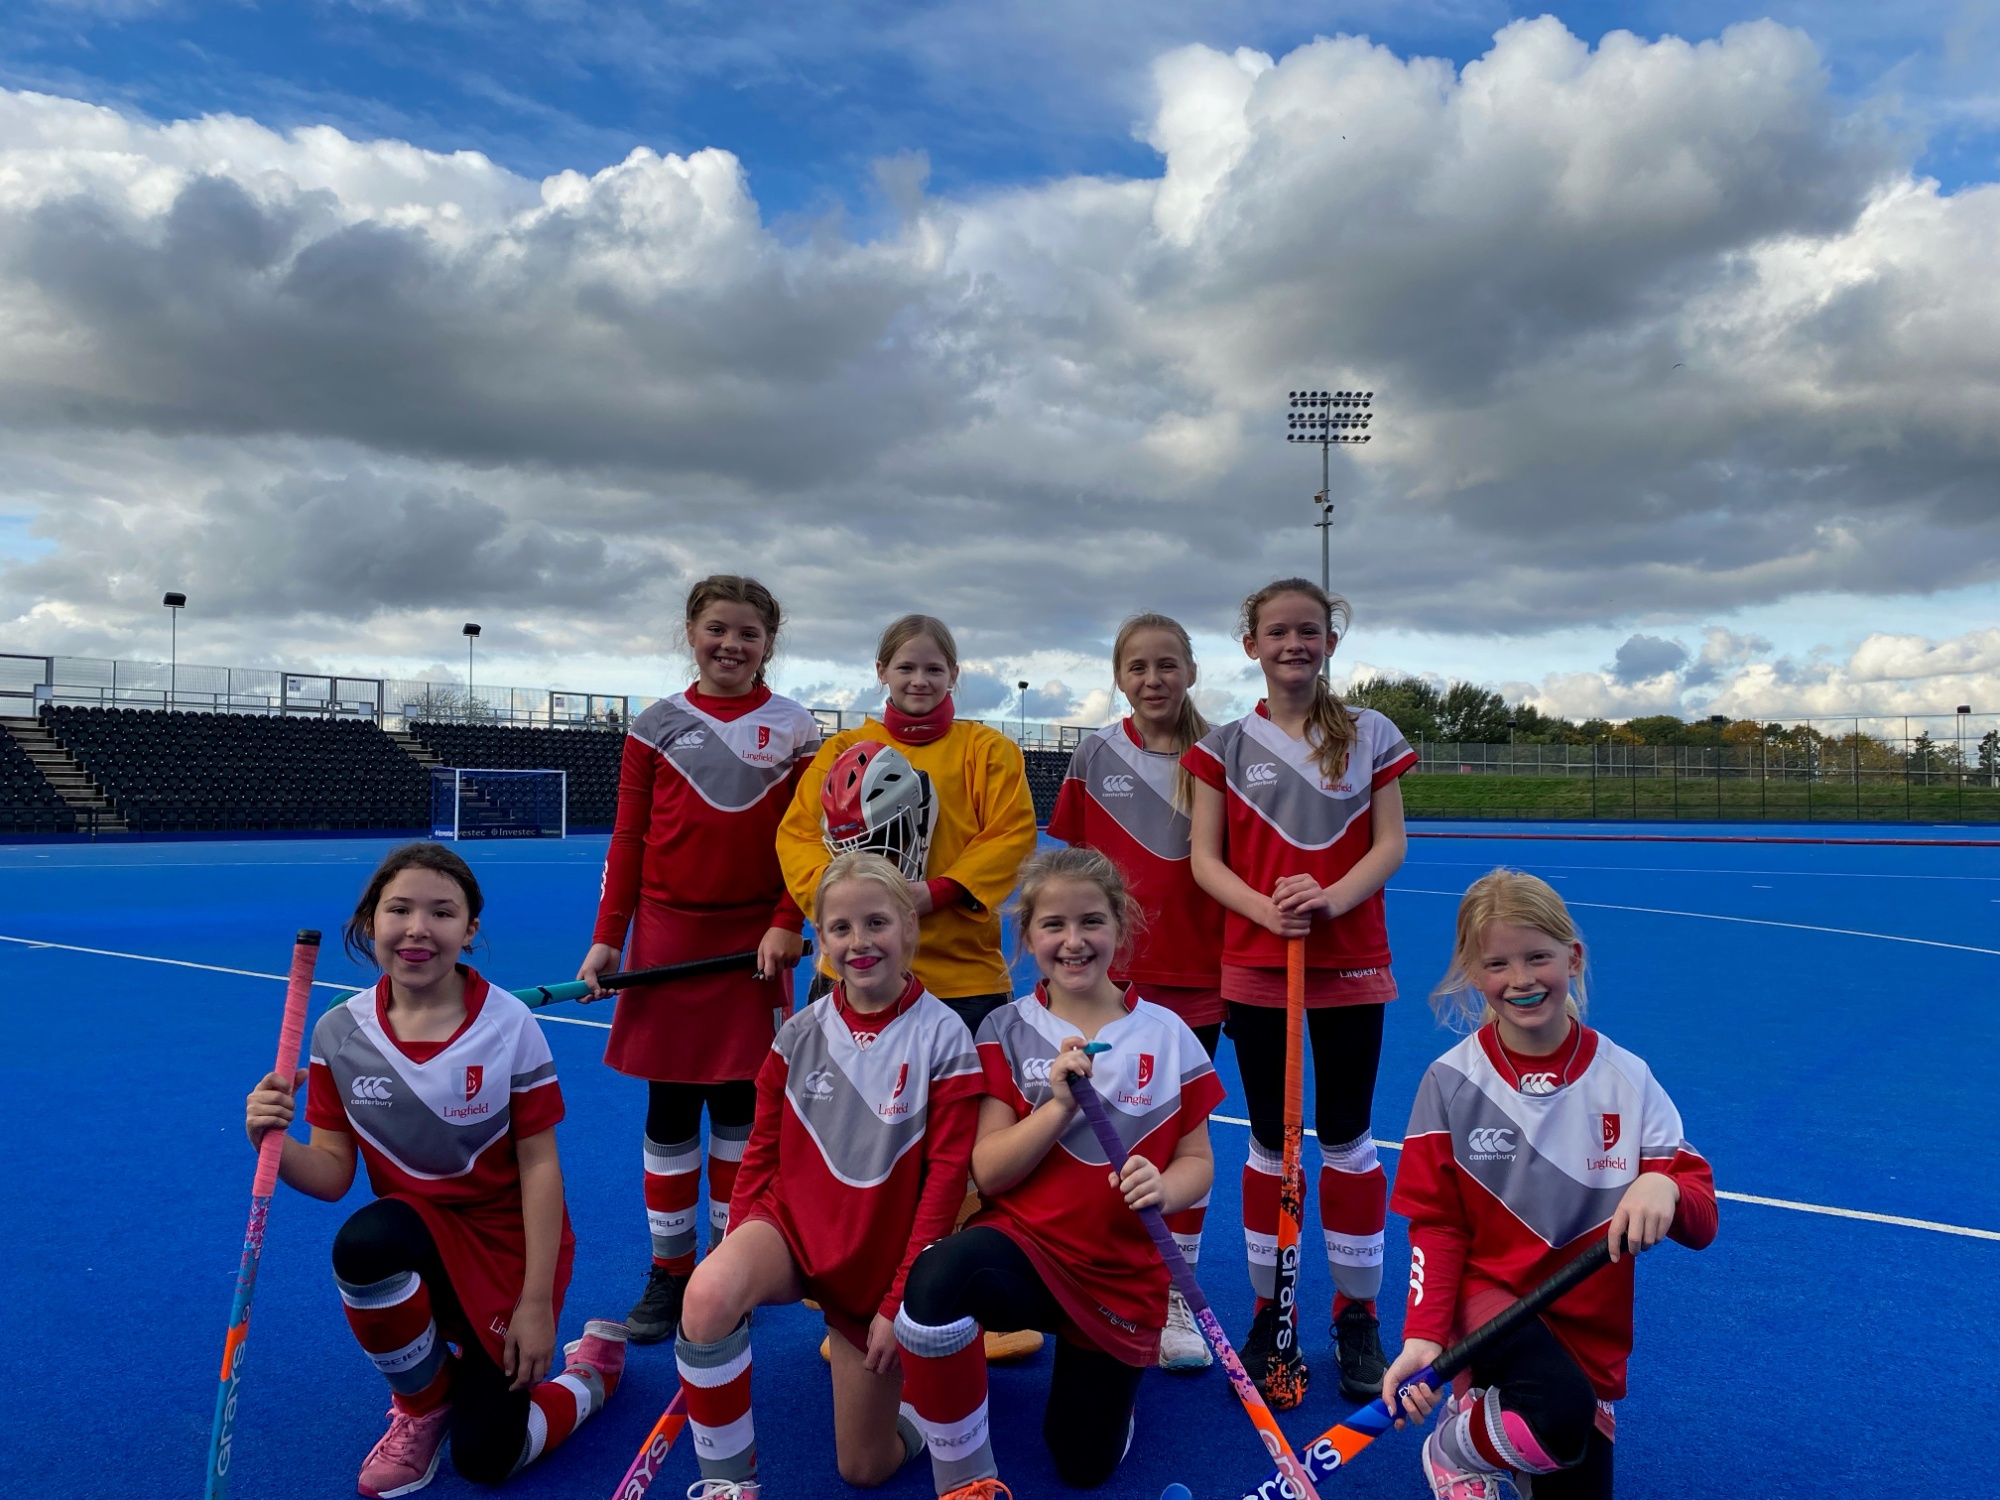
875	801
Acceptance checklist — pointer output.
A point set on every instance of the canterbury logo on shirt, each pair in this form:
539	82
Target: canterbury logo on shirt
1538	1083
1261	773
1490	1141
1116	786
370	1090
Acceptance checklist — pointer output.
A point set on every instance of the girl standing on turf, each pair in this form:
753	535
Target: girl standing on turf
1530	1139
445	1088
1298	824
946	801
866	1108
1127	795
691	874
1059	1245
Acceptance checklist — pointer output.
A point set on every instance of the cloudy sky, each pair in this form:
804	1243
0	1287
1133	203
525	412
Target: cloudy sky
358	320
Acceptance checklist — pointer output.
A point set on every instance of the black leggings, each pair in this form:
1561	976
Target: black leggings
489	1423
673	1110
980	1274
1210	1037
1346	1051
1538	1381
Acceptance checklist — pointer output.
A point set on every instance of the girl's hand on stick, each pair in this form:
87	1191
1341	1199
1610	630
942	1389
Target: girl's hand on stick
602	959
1274	918
1071	1062
530	1346
777	950
1422	1399
1141	1184
1302	896
271	1106
1644	1214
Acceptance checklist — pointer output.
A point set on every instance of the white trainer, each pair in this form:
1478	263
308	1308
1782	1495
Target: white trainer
1181	1345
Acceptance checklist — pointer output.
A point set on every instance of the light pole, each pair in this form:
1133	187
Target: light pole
1963	710
174	603
471	633
1023	686
1328	418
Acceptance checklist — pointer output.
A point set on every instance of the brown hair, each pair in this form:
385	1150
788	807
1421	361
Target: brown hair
903	631
1082	864
1515	899
1190	726
1330	726
357	936
870	869
734	588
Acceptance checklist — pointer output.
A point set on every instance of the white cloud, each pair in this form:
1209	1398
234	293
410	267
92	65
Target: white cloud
1659	334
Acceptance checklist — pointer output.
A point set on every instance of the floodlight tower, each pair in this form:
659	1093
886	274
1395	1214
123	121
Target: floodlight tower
173	602
1328	418
471	634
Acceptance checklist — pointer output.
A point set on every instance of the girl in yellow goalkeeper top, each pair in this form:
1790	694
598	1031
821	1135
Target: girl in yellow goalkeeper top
945	801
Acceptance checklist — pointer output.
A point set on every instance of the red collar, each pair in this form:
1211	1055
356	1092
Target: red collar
1568	1062
728	708
876	1020
1127	994
919	729
475	1001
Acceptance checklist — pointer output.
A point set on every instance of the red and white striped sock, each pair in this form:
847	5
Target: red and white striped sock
392	1322
944	1388
716	1378
1263	1175
673	1184
563	1403
1353	1207
725	1155
1186	1226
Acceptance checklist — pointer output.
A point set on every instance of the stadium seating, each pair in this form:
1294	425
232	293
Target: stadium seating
589	756
28	804
194	772
1046	769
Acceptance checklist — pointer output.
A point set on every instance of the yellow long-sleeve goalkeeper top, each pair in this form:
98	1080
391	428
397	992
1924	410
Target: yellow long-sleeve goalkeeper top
985	829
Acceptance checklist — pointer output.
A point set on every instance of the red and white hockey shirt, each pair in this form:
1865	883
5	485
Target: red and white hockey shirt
1118	799
1284	818
1091	1251
436	1124
701	790
861	1144
1507	1175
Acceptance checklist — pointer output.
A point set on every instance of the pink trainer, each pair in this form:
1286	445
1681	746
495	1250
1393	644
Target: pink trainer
602	1348
407	1457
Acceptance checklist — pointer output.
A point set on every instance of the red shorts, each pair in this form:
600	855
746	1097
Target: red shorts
1198	1005
1325	988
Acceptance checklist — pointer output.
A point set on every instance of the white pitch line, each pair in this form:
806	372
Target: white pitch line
183	963
1804	1208
1709	916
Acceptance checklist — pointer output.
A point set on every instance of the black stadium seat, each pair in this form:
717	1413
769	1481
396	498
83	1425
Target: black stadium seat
206	772
1046	770
28	804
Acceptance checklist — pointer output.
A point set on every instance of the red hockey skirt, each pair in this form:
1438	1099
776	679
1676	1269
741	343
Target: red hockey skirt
485	1253
713	1028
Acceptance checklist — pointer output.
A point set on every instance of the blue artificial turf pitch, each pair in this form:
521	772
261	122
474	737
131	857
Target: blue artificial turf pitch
1833	1044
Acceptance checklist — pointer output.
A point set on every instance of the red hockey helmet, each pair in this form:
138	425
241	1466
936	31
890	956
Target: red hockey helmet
874	799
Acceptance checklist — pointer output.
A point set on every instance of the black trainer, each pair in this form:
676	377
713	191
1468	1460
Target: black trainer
1282	1383
658	1313
1357	1338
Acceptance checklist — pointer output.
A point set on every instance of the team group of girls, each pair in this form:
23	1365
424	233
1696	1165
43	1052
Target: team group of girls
842	1137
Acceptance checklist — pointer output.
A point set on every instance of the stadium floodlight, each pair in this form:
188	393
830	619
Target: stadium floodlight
1023	686
471	634
173	602
1328	418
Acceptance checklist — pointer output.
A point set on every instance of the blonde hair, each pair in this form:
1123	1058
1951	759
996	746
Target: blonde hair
1190	726
901	632
1512	898
1331	729
1089	867
868	869
734	588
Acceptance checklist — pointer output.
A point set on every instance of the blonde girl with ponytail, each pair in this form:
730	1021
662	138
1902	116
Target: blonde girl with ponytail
1297	826
1128	797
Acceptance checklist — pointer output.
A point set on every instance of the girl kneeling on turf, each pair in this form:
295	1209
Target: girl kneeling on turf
1530	1139
1059	1245
445	1087
866	1107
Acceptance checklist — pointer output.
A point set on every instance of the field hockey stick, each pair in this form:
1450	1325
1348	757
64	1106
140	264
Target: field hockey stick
549	994
1288	1376
1092	1105
1340	1442
653	1452
291	1033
